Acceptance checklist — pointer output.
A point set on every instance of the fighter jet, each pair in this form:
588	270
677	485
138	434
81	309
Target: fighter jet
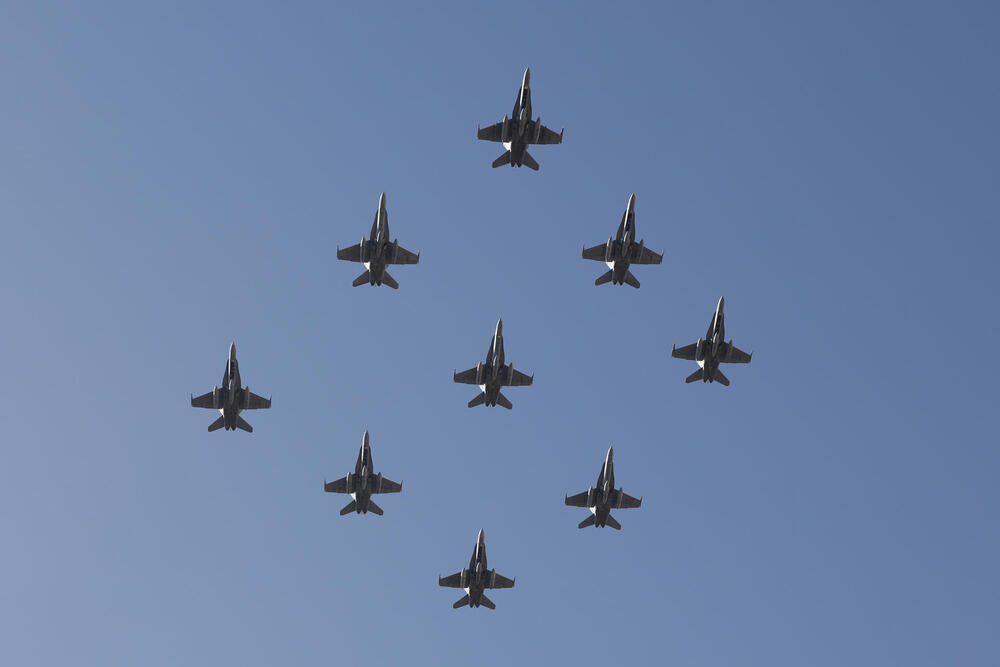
476	579
712	350
604	497
231	398
492	375
622	251
362	484
377	251
519	131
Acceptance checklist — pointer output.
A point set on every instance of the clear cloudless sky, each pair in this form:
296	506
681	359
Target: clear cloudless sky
177	176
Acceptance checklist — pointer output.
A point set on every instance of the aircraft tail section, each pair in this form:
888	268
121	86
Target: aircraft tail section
372	507
502	160
486	602
502	400
721	379
217	424
694	377
606	278
389	280
589	521
242	424
529	161
349	507
362	279
461	603
631	279
611	521
478	400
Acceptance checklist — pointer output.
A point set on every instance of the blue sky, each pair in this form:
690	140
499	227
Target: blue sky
173	178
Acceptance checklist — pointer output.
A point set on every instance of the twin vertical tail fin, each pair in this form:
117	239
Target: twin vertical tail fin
461	603
217	424
529	161
362	279
241	423
605	278
502	160
694	377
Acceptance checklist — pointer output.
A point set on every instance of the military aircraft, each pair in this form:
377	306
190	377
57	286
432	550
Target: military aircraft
519	131
231	398
492	375
377	251
603	498
712	351
362	484
622	251
476	579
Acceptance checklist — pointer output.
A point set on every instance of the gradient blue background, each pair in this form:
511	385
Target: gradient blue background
173	178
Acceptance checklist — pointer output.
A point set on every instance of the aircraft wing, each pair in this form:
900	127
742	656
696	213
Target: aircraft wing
389	486
404	256
519	380
547	136
686	352
340	486
598	252
500	581
203	401
647	256
466	377
579	500
257	402
451	581
626	501
491	132
352	254
734	355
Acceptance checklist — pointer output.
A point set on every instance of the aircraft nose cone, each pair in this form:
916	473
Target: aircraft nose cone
631	200
232	350
381	200
500	326
365	439
527	77
611	453
722	302
482	536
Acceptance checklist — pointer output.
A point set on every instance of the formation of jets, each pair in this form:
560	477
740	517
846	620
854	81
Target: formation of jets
377	252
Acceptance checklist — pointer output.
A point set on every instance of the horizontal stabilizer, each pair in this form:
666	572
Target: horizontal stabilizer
478	400
589	521
389	280
502	160
611	521
349	507
242	424
486	602
721	379
605	278
694	377
529	161
502	400
362	279
217	424
631	280
461	603
372	507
